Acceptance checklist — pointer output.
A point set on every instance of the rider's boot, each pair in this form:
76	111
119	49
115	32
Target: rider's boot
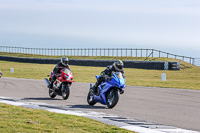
94	88
51	81
51	84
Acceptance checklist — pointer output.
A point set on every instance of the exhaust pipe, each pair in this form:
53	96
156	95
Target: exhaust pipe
47	81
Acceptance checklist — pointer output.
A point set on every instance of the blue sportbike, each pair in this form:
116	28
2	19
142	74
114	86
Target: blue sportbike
108	91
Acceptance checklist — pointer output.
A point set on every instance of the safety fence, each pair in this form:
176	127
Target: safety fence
119	52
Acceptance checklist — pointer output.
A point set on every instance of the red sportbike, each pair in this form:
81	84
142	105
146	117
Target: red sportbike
61	84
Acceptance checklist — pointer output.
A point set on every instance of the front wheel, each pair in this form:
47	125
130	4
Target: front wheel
65	92
90	98
112	98
52	93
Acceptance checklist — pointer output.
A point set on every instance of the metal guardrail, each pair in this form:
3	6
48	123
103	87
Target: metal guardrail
119	52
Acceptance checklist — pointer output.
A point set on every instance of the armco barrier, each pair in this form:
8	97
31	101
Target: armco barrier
156	65
113	52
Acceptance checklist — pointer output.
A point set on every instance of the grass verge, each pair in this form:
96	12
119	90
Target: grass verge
185	78
24	120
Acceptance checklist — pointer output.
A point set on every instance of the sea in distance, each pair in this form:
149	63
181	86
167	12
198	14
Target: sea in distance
45	41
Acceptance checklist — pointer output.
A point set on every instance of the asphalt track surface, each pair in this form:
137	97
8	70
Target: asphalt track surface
168	106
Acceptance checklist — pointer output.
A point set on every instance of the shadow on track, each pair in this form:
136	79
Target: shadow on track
42	98
86	107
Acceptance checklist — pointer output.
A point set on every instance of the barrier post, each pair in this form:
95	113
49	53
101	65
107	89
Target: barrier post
163	76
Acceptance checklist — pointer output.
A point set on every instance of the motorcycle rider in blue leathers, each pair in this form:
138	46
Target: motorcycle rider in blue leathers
117	66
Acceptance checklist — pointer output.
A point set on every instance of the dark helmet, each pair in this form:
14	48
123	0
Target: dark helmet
118	65
64	61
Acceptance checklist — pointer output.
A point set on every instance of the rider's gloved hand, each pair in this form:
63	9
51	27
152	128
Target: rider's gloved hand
107	77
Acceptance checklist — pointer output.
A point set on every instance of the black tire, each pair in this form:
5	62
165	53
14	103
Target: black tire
90	98
112	98
52	93
65	92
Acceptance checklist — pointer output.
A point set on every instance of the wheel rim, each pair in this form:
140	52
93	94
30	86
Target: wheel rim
91	95
91	98
110	98
64	93
51	92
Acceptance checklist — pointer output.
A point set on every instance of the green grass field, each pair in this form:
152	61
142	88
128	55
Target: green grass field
23	120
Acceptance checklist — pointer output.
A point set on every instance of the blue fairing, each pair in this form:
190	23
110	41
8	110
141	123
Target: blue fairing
115	82
97	76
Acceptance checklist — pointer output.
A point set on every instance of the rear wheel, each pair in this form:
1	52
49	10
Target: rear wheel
90	98
65	92
112	98
52	94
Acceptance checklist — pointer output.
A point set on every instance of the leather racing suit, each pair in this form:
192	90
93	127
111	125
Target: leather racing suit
106	74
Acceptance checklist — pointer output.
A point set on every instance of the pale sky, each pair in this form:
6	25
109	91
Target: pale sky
167	25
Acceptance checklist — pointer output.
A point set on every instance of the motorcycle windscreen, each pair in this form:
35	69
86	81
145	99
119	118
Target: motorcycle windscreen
66	71
119	75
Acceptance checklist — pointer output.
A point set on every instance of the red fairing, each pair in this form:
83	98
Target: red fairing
65	75
51	74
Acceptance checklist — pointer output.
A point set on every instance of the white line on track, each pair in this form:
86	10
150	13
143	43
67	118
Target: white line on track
125	123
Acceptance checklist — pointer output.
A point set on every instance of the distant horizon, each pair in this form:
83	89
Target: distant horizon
44	41
171	26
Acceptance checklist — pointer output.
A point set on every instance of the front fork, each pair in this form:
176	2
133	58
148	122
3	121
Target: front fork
121	91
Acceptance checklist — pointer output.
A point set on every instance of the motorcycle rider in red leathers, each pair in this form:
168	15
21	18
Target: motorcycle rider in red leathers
59	66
